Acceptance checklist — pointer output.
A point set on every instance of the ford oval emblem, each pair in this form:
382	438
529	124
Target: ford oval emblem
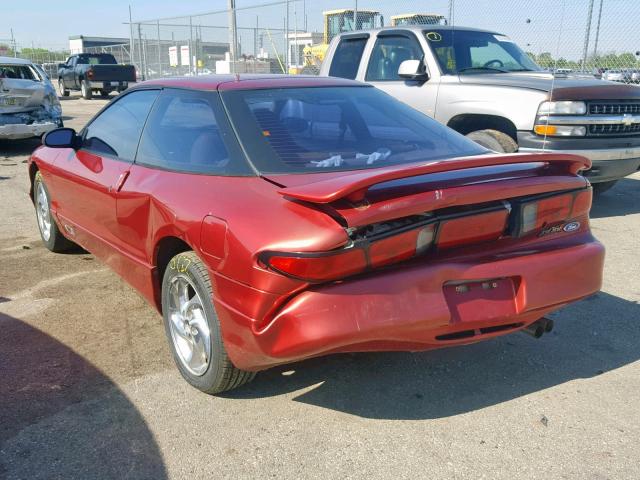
571	227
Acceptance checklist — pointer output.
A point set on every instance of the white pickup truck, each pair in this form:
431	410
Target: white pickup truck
484	86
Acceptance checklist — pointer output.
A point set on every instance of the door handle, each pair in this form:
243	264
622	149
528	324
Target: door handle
119	183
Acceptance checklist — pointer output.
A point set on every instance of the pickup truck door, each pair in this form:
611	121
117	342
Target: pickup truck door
67	73
86	181
380	68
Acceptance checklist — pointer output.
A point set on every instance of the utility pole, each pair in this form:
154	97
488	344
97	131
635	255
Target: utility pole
13	43
450	21
159	52
355	15
595	46
286	38
586	36
131	49
233	35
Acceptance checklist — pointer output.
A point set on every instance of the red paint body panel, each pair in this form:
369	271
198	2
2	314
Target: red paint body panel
122	212
356	182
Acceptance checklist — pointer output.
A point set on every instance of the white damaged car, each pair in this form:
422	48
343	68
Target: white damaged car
29	105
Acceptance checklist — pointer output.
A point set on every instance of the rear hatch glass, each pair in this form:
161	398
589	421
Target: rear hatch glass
324	129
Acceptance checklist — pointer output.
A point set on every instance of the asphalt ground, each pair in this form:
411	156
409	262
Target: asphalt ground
88	389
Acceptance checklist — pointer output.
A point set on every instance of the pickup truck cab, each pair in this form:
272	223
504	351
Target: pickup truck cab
89	72
484	86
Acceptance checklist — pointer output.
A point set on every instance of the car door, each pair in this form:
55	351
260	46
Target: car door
187	142
68	73
87	180
390	49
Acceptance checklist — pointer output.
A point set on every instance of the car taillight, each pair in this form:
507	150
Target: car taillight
89	74
333	265
536	214
446	231
401	246
582	203
320	266
472	229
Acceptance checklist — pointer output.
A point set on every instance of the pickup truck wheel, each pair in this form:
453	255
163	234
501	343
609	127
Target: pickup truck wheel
49	231
85	90
63	92
494	140
193	328
600	188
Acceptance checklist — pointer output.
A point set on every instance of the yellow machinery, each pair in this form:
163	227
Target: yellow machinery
335	23
418	19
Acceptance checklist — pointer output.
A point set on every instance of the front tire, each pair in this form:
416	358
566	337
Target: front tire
193	328
49	231
494	140
85	90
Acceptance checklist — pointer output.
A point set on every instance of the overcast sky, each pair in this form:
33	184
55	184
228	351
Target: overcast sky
557	26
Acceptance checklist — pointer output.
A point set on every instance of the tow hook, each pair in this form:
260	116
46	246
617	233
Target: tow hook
539	327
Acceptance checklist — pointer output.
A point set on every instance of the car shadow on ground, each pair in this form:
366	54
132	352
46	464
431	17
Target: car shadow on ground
591	337
18	147
60	417
623	199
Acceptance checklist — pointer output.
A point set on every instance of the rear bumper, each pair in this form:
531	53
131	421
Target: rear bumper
109	85
406	308
612	158
18	131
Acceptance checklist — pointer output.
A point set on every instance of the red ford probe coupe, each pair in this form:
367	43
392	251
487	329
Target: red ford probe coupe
273	218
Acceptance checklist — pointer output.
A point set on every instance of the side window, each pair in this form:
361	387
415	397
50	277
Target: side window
116	131
188	131
387	55
346	58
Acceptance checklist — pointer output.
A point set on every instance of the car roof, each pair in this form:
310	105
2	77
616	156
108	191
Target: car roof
422	28
249	82
14	61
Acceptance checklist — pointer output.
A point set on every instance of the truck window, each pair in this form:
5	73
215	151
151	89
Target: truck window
477	52
346	58
96	60
387	55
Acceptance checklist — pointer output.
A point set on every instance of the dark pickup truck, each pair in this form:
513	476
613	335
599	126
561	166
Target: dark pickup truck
89	72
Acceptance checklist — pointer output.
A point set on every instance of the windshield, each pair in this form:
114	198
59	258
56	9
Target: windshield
96	60
322	129
465	51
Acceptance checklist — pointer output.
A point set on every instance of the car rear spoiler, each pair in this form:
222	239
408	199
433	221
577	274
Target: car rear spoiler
353	185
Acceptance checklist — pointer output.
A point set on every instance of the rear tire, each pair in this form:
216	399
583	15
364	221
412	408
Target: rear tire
85	90
48	228
193	329
494	140
600	188
62	91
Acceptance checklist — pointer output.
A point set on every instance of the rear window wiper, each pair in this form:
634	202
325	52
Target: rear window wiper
480	69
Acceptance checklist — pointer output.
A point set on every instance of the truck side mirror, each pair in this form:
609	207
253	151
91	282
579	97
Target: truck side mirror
413	70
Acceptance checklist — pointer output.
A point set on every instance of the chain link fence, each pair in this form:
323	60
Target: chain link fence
584	37
588	37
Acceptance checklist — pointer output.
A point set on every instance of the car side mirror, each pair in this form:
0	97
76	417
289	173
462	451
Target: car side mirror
61	138
413	70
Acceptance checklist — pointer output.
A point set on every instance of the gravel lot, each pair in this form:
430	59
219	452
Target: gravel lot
88	389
